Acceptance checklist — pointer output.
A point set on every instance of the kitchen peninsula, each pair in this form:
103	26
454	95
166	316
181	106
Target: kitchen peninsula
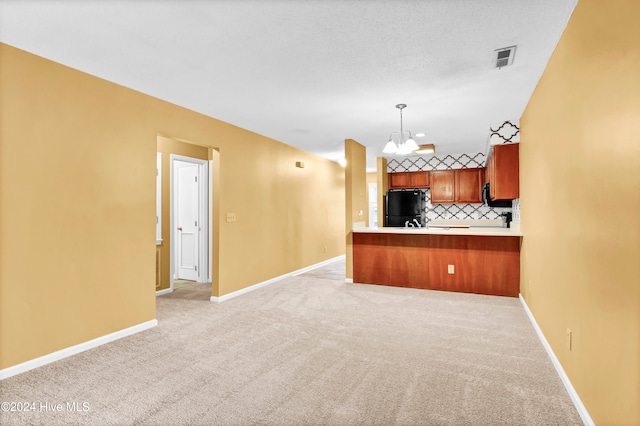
470	260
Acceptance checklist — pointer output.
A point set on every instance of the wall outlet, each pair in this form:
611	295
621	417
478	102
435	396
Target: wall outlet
231	217
450	269
569	337
324	248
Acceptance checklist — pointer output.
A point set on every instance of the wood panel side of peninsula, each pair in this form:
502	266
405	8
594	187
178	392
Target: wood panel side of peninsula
482	264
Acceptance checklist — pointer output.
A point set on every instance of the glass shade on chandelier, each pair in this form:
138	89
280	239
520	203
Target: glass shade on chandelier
405	144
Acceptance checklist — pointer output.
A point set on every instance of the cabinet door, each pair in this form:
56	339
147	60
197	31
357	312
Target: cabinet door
442	186
505	181
398	180
419	179
404	180
468	185
491	173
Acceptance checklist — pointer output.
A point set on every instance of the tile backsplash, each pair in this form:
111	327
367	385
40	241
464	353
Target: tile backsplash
436	162
516	210
461	211
448	211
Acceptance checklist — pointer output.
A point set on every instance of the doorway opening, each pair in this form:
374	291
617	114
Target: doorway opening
189	220
373	204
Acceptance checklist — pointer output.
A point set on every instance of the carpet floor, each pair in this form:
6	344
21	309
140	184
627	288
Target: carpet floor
182	283
310	350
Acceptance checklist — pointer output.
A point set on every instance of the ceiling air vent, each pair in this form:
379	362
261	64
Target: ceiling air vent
505	56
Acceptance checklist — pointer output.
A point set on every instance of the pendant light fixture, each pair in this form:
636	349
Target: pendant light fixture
402	146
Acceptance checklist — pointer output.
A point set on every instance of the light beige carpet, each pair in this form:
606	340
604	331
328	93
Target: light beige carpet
182	283
311	350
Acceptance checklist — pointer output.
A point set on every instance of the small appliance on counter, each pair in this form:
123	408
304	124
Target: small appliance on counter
508	217
405	209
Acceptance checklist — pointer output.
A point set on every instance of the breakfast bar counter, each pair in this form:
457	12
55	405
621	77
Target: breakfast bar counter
444	230
471	260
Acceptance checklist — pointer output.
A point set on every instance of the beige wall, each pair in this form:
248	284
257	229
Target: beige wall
580	206
371	177
167	147
355	193
77	205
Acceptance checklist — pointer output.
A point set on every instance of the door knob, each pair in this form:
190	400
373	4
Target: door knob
179	228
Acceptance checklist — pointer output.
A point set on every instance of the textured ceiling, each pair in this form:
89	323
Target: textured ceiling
310	73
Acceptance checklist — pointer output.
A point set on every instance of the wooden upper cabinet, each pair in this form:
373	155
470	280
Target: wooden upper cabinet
398	180
504	171
408	180
419	179
442	186
468	185
487	170
447	186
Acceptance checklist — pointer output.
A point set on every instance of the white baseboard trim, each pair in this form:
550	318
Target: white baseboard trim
74	350
165	291
273	280
584	414
318	265
348	280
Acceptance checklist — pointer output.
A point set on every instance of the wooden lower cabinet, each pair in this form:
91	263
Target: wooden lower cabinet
482	264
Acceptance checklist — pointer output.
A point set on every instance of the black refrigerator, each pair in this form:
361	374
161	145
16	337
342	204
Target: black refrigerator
403	207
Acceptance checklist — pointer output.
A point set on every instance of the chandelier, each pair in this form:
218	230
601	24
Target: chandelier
405	144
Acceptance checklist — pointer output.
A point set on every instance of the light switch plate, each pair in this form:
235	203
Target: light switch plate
451	269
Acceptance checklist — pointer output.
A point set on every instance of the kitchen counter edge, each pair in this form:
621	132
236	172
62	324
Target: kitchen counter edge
482	232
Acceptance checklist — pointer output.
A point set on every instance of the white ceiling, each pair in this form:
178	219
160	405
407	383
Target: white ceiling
310	73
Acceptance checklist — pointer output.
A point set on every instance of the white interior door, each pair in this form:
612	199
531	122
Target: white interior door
187	220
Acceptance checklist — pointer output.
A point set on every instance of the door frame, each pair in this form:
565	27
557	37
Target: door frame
203	218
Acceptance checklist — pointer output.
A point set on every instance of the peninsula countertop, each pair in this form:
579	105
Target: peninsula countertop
469	231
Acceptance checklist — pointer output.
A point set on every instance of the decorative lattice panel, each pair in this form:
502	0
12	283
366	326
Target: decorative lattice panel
445	162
